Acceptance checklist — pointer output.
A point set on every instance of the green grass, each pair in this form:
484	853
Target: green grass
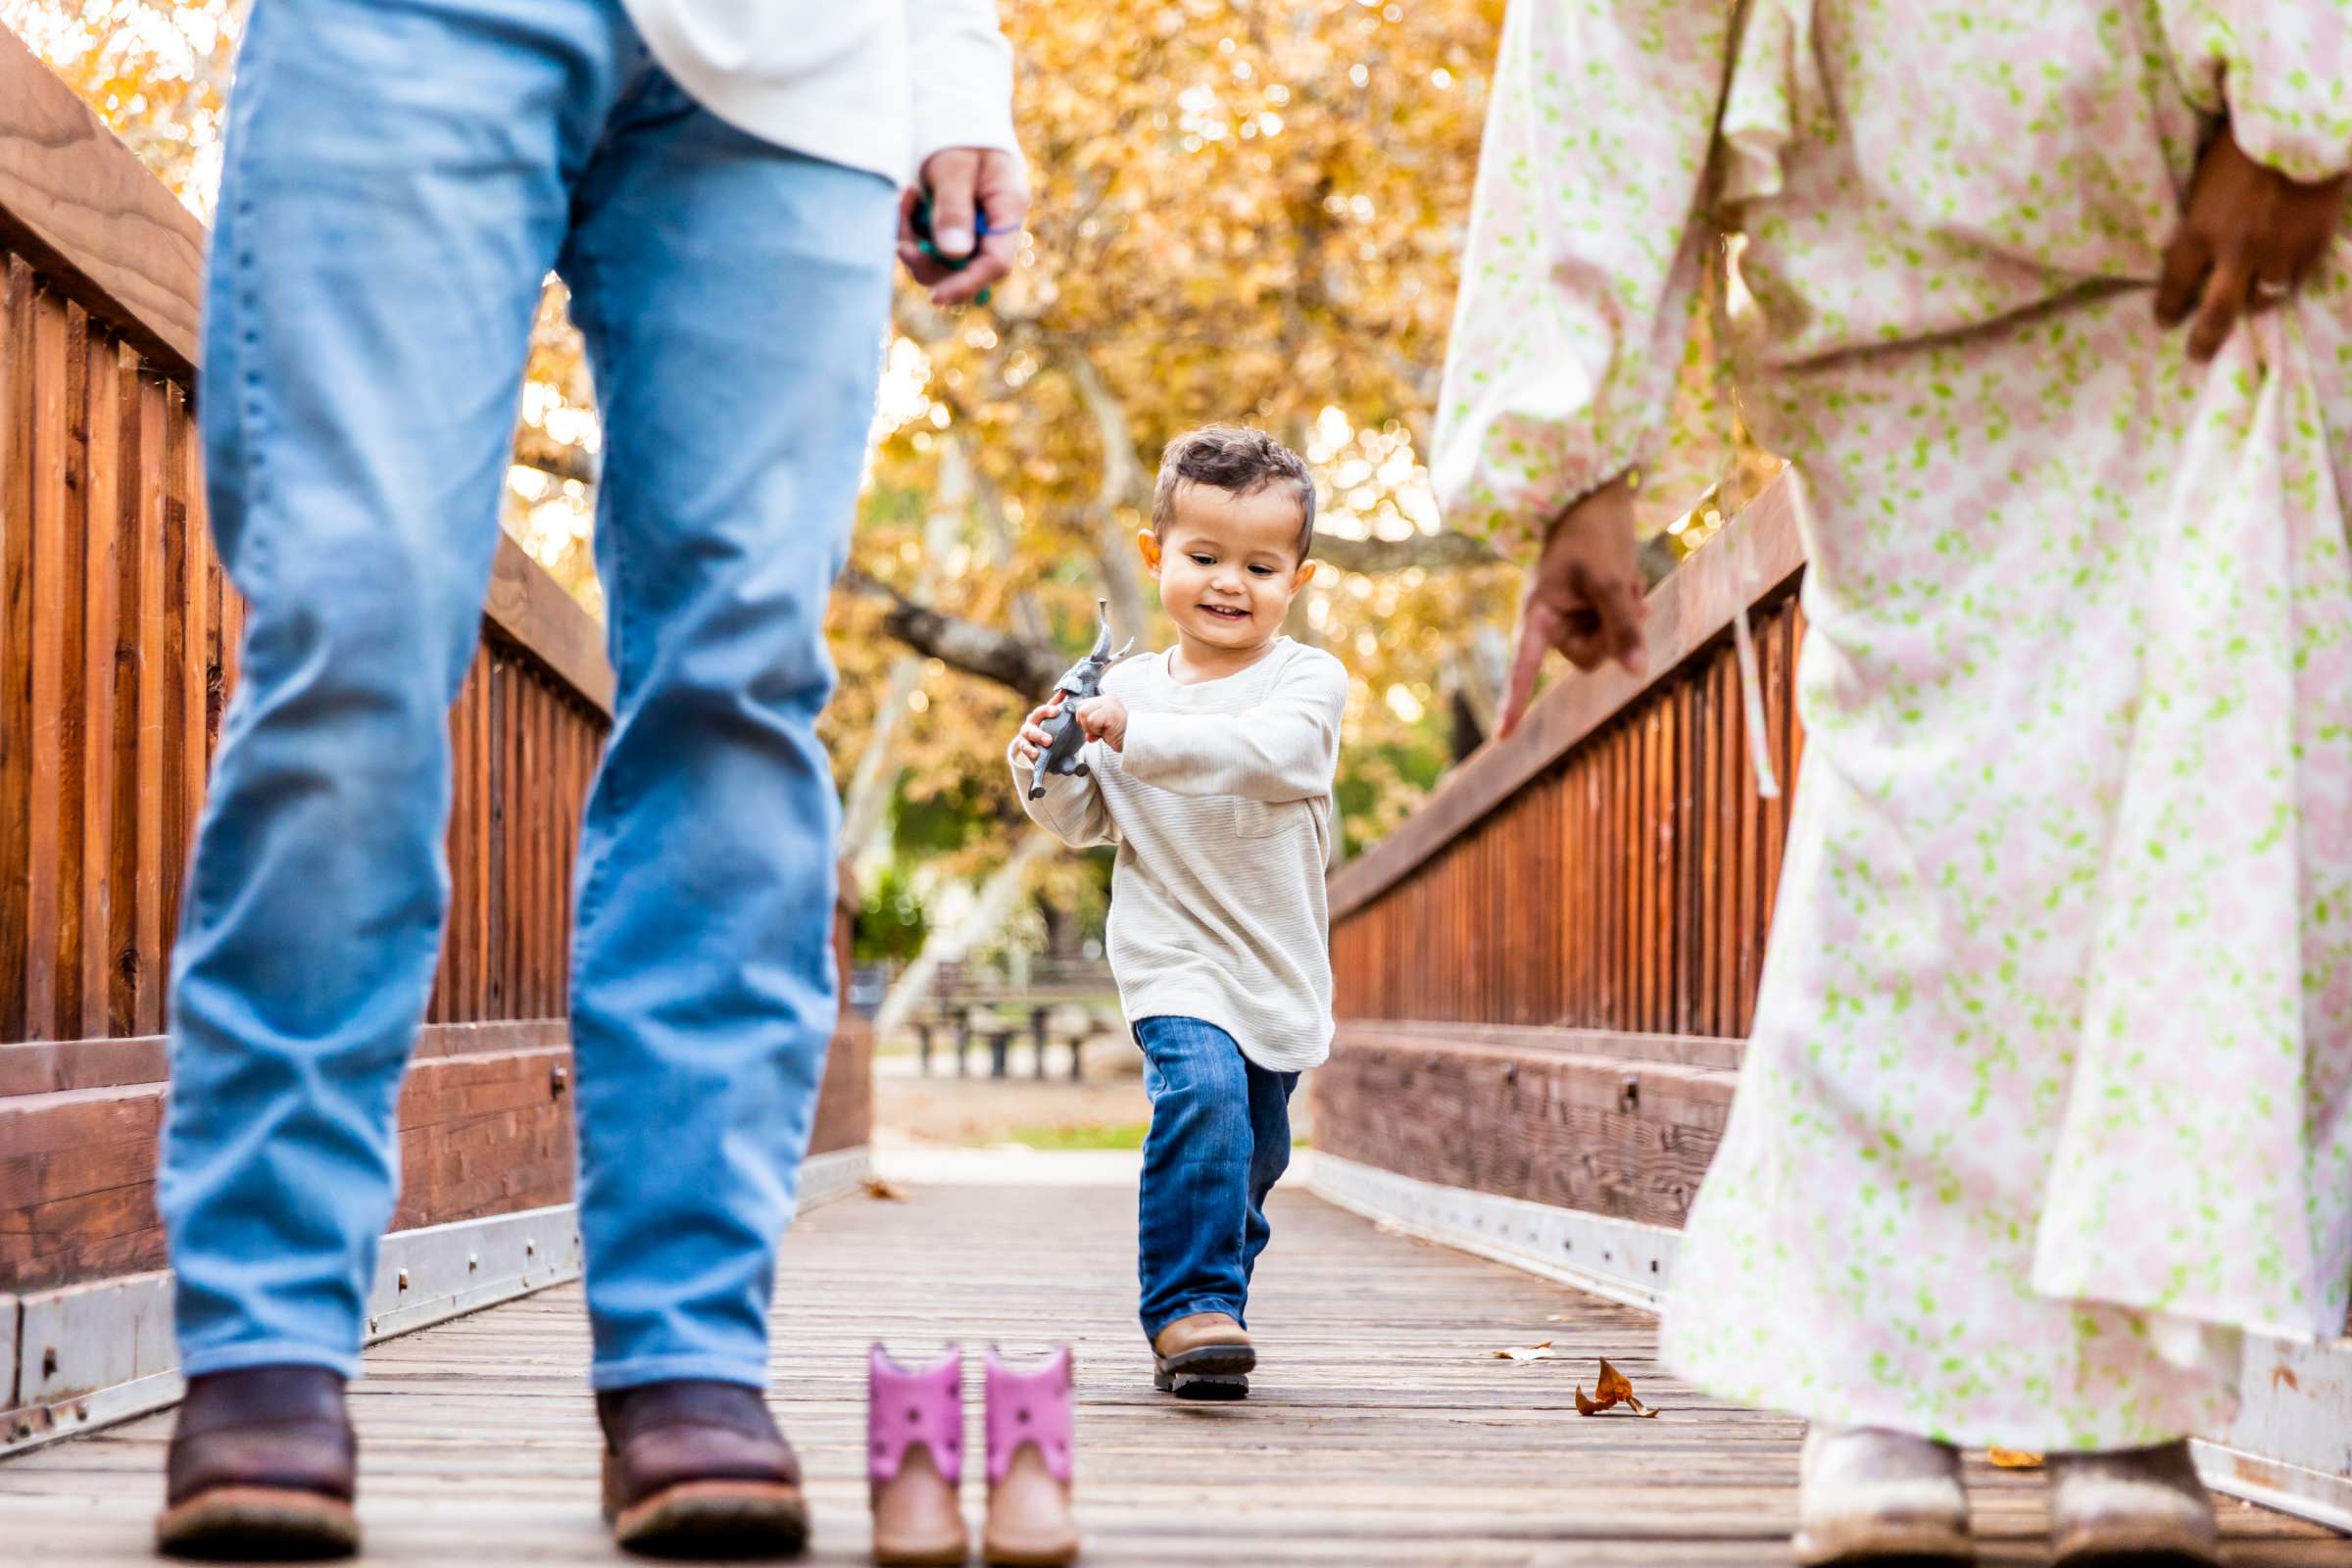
1124	1134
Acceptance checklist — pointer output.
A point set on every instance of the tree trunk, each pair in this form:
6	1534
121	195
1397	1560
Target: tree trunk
874	781
1063	932
997	896
1123	487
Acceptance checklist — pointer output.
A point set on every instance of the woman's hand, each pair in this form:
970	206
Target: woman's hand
1584	596
1104	719
2246	239
1031	743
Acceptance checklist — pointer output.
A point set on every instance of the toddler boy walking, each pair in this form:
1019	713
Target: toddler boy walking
1209	764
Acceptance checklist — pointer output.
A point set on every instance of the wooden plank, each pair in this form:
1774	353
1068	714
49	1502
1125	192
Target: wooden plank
232	639
139	730
531	608
44	913
579	748
1605	826
529	861
1688	1050
1776	676
16	398
192	586
72	656
515	852
1757	557
1630	1138
215	674
156	842
183	712
85	210
497	774
99	504
449	988
478	768
546	929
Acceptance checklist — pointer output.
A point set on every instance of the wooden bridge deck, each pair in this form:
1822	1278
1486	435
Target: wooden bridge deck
1381	1428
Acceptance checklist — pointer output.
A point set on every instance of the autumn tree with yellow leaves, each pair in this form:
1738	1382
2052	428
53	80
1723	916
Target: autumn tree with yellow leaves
1244	211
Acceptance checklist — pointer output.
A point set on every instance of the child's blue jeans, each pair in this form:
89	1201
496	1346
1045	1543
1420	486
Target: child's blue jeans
400	177
1220	1138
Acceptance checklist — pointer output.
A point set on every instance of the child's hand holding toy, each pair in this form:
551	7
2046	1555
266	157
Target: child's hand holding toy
1104	719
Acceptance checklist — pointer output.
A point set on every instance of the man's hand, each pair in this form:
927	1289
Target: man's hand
1031	743
1104	719
2246	239
1583	597
961	180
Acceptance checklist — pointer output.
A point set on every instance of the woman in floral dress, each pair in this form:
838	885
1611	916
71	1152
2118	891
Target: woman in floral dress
2049	1096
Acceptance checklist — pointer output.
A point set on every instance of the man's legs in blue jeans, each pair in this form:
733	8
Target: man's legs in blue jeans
1220	1138
734	300
384	227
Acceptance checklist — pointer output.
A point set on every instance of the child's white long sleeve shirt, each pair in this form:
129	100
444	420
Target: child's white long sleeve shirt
1220	805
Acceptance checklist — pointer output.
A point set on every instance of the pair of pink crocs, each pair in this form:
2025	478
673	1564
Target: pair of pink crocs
914	1462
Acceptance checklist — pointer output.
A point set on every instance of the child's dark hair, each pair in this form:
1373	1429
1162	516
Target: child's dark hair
1238	461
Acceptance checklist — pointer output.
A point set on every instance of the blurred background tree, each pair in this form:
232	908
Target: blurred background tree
1244	211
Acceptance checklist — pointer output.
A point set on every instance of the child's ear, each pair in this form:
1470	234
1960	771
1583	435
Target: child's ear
1306	574
1146	543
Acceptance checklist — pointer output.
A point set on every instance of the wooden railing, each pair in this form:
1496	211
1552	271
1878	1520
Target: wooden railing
1611	865
1543	977
119	641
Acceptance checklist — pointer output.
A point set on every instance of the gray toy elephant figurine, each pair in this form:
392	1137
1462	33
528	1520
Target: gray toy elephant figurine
1082	680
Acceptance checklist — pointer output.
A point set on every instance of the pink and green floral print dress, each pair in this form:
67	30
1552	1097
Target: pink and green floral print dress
2050	1091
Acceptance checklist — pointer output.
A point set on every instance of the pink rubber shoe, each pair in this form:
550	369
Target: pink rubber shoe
915	1459
1031	1431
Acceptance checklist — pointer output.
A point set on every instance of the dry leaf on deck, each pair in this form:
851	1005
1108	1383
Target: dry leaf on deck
1531	1352
878	1187
1612	1390
2014	1459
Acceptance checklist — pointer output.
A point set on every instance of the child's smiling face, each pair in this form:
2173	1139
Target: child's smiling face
1228	565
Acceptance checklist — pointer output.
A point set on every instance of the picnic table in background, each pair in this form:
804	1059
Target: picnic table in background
1053	1001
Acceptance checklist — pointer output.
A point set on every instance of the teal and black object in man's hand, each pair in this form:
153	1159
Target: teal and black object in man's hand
960	225
928	243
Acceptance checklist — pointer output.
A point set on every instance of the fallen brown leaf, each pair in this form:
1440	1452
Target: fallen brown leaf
889	1191
1612	1390
1540	1351
2014	1459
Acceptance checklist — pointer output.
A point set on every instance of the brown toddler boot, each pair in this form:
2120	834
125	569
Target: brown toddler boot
1204	1357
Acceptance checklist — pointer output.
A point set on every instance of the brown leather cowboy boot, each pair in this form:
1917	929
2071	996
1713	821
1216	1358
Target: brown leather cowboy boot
1204	1357
699	1467
261	1465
